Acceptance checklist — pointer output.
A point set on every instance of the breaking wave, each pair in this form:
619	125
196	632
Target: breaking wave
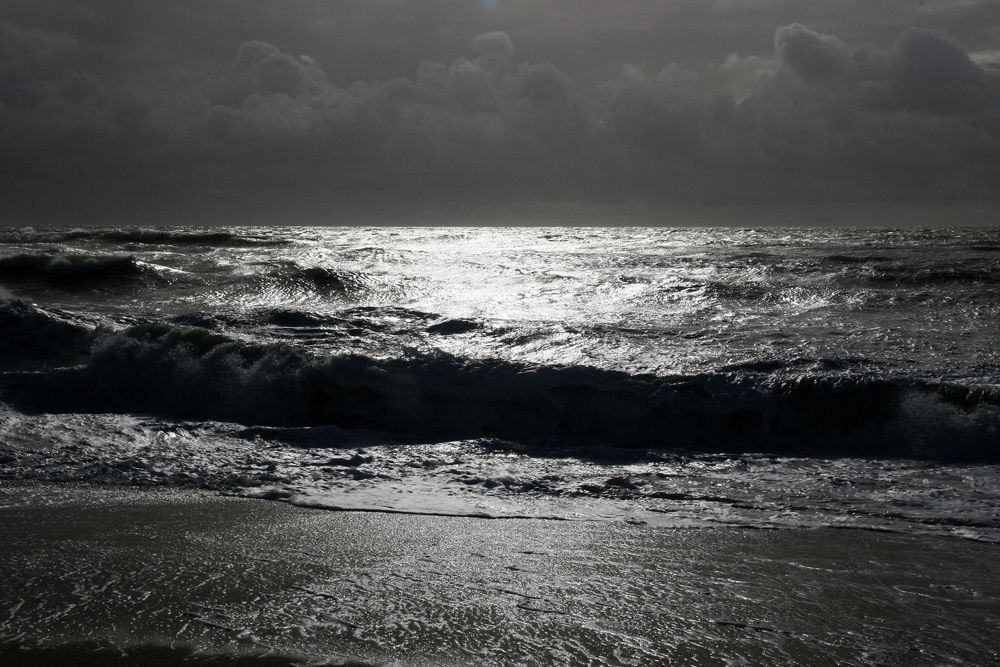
192	373
74	270
32	336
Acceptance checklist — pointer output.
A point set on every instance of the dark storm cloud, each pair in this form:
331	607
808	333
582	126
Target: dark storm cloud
316	109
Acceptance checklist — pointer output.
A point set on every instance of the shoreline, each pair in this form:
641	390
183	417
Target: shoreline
188	576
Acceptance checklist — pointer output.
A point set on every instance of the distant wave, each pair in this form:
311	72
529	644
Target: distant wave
74	269
358	320
294	279
856	259
193	373
274	279
912	277
185	237
316	277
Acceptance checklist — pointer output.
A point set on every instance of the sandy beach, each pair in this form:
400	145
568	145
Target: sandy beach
122	576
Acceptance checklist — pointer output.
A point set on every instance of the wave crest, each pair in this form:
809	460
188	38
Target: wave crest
293	280
31	336
193	373
69	270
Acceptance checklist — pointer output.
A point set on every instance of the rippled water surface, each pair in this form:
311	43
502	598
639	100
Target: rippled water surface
781	377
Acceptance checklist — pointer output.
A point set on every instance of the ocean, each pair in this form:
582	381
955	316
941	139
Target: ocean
680	377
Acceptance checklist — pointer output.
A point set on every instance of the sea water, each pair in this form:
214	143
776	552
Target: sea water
678	377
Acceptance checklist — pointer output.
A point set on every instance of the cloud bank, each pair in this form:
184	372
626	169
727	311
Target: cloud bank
273	131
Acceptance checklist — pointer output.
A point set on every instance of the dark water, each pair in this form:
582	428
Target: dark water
785	377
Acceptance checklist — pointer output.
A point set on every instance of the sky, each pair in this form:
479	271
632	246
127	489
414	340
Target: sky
312	111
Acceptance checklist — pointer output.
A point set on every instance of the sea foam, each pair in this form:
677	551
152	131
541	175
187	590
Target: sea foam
194	373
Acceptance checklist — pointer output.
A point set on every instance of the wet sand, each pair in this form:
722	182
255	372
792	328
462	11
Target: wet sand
124	576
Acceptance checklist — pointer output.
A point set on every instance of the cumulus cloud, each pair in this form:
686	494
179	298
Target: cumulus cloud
931	72
494	51
812	56
925	70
